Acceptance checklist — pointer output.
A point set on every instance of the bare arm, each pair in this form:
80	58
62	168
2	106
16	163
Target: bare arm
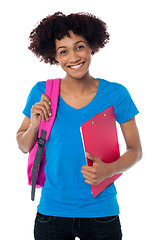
28	132
26	135
134	150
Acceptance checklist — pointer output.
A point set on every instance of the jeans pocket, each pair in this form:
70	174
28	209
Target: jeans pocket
105	219
43	218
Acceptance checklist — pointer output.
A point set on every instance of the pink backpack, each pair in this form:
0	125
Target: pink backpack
36	158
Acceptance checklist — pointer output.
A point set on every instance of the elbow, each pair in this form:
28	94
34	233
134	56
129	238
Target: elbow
23	150
139	154
20	145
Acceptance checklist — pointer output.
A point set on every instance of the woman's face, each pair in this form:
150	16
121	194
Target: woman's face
74	55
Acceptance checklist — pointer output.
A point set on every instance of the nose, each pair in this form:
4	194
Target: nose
74	57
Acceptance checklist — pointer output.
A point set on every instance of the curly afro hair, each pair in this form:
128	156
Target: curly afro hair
42	38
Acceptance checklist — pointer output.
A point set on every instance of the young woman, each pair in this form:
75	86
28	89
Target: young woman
67	208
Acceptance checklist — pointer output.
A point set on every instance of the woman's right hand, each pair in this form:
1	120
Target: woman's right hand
40	110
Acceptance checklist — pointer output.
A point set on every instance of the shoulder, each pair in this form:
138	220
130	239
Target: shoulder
37	90
34	96
115	94
39	87
113	87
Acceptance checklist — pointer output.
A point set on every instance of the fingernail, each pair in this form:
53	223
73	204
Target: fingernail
49	103
50	114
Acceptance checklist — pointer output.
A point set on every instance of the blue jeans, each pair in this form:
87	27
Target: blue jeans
63	228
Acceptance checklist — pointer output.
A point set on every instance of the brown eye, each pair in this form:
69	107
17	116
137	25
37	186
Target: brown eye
63	52
80	47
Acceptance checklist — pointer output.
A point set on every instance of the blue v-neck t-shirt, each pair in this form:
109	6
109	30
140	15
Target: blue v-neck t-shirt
65	193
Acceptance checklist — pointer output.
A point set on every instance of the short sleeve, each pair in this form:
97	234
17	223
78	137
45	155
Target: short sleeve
34	96
125	108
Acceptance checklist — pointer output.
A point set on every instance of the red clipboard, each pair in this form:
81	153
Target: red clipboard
99	136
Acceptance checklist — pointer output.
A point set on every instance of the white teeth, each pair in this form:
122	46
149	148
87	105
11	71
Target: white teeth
77	66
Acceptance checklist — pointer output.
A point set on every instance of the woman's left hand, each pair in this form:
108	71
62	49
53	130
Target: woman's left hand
98	172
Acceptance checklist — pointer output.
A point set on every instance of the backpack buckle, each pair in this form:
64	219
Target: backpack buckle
42	139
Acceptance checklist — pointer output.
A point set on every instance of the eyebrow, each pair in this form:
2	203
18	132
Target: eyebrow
74	44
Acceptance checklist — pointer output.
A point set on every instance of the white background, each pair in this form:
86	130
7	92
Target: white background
131	58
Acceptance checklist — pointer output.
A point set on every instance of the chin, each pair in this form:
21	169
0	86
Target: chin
78	75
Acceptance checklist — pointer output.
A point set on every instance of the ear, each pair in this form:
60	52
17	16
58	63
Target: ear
55	56
90	50
57	62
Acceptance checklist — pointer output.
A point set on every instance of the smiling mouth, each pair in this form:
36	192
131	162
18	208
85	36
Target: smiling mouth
76	67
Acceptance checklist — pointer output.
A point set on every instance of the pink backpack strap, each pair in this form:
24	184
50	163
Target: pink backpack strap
52	91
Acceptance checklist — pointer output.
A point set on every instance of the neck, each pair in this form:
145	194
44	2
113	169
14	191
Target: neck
78	86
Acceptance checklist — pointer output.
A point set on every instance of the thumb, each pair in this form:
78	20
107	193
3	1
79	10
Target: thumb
91	157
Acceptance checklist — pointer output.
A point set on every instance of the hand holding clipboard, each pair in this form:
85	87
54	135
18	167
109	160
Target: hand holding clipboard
99	135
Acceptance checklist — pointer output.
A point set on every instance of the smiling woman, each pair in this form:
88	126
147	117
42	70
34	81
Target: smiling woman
67	208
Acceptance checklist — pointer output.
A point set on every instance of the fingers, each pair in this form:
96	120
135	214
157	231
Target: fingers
90	175
89	169
44	97
91	182
45	100
42	108
47	103
90	179
92	157
38	109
